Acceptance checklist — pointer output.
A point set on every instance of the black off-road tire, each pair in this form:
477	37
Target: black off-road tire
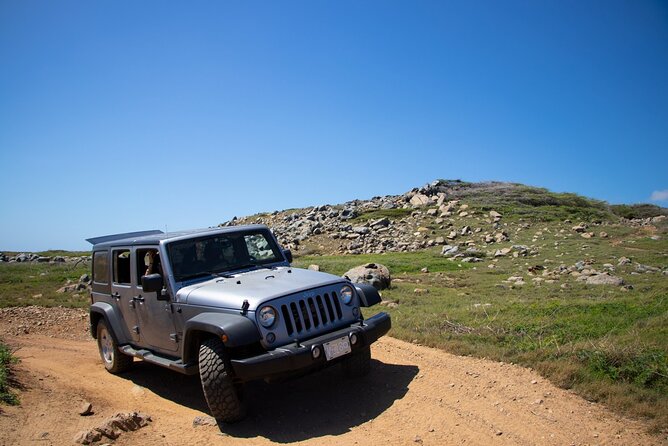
358	364
114	361
222	394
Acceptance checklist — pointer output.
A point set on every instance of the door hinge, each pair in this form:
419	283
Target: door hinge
174	337
136	329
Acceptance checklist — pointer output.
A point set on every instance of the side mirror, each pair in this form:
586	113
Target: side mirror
288	255
152	283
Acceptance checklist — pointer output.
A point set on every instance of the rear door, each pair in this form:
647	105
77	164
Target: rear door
123	291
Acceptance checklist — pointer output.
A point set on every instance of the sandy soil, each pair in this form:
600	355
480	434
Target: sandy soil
413	395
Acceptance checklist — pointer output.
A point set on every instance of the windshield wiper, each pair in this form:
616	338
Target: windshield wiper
220	274
204	273
250	265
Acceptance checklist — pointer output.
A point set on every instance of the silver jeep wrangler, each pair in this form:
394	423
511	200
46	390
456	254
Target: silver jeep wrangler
225	303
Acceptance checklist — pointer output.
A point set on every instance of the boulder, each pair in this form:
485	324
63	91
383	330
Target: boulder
582	227
604	279
475	252
361	230
373	274
449	250
502	252
113	427
420	200
383	222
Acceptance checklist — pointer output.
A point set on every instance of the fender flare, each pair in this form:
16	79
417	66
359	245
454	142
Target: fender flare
103	310
238	329
369	296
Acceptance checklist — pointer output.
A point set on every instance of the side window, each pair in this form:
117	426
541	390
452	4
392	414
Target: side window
101	267
122	266
258	247
148	262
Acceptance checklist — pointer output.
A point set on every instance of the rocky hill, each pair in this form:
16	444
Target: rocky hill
444	212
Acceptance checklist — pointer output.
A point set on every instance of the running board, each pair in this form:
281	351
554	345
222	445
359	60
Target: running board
149	356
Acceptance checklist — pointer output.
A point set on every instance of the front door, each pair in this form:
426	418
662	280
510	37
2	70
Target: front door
156	320
123	291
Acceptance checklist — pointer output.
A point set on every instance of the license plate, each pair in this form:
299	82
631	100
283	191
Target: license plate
336	348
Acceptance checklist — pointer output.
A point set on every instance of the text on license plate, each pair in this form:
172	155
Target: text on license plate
336	348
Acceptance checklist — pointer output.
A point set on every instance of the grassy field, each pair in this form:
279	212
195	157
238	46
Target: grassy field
24	284
607	343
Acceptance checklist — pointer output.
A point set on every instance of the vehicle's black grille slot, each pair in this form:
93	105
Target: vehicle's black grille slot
337	304
286	317
307	320
295	315
314	312
329	307
321	307
311	313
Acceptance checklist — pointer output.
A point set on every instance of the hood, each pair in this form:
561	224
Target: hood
257	286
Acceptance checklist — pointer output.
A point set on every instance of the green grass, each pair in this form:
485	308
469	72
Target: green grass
23	284
7	359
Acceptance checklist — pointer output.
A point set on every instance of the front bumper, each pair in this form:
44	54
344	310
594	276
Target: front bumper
297	358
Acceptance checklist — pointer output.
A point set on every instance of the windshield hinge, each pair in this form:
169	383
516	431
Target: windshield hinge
244	307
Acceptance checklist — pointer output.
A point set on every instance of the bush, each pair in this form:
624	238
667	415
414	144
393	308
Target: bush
638	210
645	368
6	360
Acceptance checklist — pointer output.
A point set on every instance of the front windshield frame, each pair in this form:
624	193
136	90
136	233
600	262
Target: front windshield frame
222	253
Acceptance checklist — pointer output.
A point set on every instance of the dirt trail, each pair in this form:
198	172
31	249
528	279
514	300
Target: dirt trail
414	395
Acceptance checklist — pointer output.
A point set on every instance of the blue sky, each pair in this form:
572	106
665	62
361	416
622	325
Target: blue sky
123	116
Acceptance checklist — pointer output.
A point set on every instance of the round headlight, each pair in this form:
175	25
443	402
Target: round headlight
346	294
267	316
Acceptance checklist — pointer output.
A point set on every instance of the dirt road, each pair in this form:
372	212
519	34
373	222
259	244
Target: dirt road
414	395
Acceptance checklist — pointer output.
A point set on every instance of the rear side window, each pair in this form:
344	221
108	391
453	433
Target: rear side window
101	267
122	266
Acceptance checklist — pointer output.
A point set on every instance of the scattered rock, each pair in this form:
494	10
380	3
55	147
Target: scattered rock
86	409
204	421
420	200
646	268
113	427
314	267
449	250
603	279
502	252
623	261
582	227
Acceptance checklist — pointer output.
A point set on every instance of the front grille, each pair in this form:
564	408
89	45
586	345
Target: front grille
313	313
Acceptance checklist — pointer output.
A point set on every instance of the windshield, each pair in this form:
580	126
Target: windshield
217	254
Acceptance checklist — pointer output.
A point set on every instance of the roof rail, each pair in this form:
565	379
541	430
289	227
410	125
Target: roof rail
110	238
